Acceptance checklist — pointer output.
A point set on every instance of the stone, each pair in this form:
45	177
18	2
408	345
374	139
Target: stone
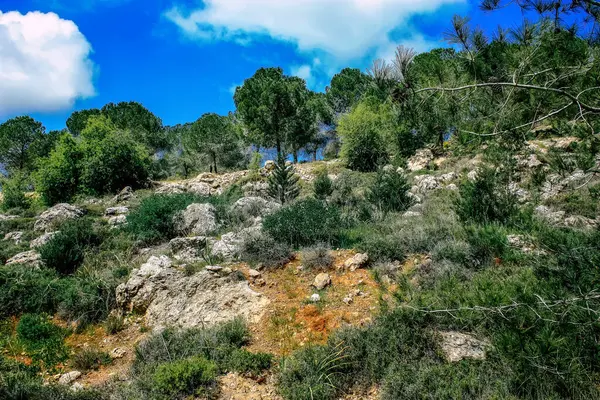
458	346
420	160
425	183
472	175
199	188
389	168
252	207
269	165
213	268
230	245
171	188
30	257
347	300
124	195
77	387
69	377
116	211
322	281
14	236
4	217
254	274
117	352
256	189
56	215
197	219
42	240
550	216
447	178
117	220
521	194
357	261
188	249
411	214
452	187
315	298
170	298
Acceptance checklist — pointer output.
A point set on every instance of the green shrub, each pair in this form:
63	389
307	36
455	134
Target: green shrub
192	376
322	186
452	250
153	220
390	192
42	340
28	290
66	250
304	223
245	362
13	193
283	182
317	257
263	249
487	199
114	324
487	242
382	247
88	359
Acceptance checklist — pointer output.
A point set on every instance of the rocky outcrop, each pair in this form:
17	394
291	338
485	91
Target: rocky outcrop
230	246
55	215
458	346
256	189
560	218
123	196
188	249
425	183
14	237
322	281
42	240
199	188
420	160
69	377
357	261
4	217
169	298
555	184
30	257
197	219
252	207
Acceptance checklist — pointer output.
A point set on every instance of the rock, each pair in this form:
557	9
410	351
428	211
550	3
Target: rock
425	183
521	194
458	346
77	387
230	245
197	219
124	195
188	249
447	178
420	160
357	261
347	300
31	257
400	170
42	240
199	188
252	207
213	268
415	198
117	352
116	211
581	222
69	377
269	165
256	189
411	214
171	188
14	236
472	175
169	298
315	298
4	217
389	168
254	274
322	281
529	162
55	215
452	187
550	216
117	220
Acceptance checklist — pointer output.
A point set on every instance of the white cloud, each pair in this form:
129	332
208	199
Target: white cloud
44	63
343	29
302	71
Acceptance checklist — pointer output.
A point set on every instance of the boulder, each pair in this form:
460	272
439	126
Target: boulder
14	236
4	217
357	261
315	298
188	249
117	352
256	189
169	298
472	175
117	220
56	215
322	281
252	207
116	211
411	214
458	346
229	247
123	196
420	160
69	377
549	215
42	240
447	178
197	219
425	183
171	188
199	188
269	165
30	257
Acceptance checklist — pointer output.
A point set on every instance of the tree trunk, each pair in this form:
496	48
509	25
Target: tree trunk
315	155
214	157
295	156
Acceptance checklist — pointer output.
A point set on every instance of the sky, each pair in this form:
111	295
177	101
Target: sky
184	58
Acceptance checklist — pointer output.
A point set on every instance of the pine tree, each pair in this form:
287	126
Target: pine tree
283	182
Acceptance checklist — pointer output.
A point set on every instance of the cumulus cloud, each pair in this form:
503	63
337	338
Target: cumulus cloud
44	63
343	29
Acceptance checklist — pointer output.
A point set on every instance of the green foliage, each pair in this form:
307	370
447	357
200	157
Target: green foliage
13	193
487	242
346	89
58	175
362	132
66	250
114	324
42	340
17	138
153	220
304	223
317	257
90	358
283	182
244	362
390	192
255	163
78	120
487	198
192	376
322	186
263	249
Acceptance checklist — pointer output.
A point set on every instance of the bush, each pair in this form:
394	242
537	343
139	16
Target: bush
88	359
245	362
382	247
322	186
66	250
452	250
263	249
487	242
390	191
114	324
317	257
27	290
42	340
153	220
58	175
191	376
487	199
304	223
13	193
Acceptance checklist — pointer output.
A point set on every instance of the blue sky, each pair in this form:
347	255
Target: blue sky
182	58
